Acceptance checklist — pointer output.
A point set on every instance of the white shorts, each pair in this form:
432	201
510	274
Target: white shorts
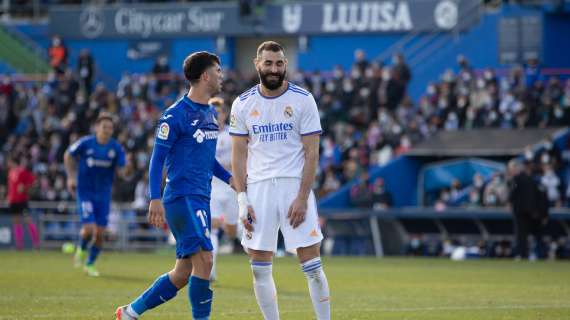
271	200
223	202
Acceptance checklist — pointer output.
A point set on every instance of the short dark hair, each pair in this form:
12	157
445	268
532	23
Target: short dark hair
105	116
197	63
269	46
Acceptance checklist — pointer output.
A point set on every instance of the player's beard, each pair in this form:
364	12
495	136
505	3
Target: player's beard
271	84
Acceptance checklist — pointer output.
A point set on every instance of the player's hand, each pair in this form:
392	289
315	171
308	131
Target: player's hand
71	186
246	213
297	212
156	213
232	183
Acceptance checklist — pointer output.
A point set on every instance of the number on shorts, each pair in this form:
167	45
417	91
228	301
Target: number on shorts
202	215
87	208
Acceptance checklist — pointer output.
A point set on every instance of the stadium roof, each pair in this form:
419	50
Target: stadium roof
481	142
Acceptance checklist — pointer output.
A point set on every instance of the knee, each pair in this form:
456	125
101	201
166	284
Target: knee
308	253
99	233
179	277
203	262
87	231
207	261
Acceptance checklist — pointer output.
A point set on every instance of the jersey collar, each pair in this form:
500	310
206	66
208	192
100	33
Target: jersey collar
194	105
266	97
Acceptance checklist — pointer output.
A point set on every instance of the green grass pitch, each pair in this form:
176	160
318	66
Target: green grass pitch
44	285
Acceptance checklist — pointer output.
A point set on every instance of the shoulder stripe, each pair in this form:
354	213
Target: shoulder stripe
248	93
294	86
305	93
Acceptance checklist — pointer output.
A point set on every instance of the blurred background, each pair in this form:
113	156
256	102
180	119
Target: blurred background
423	103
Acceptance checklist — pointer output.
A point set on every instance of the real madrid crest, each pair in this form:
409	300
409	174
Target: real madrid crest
288	112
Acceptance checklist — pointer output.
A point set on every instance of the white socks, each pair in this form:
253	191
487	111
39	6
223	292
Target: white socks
264	288
215	243
318	288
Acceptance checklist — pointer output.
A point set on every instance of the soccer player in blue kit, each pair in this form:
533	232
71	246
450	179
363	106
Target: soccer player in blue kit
90	164
186	142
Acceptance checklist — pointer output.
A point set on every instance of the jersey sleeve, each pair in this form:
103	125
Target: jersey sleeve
167	130
310	122
121	161
76	149
238	126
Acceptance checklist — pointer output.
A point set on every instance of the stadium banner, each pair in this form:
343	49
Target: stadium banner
293	18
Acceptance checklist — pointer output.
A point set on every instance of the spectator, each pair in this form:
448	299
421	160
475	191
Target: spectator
495	193
361	193
381	198
401	69
20	180
58	55
529	210
86	71
330	182
161	70
454	190
551	182
360	61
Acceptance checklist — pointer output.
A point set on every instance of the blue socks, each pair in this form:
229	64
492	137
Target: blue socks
84	243
200	298
93	254
161	291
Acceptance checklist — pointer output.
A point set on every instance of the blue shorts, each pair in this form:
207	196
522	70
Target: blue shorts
93	211
188	218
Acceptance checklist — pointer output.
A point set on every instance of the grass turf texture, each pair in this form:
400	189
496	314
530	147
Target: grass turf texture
44	285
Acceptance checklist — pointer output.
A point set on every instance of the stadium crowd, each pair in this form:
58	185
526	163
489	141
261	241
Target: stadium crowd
366	114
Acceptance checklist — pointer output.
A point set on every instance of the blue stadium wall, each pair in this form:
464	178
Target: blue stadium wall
479	45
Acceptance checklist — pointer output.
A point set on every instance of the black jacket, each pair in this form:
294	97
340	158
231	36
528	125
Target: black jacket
527	197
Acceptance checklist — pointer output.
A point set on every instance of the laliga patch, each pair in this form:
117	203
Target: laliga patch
233	121
163	131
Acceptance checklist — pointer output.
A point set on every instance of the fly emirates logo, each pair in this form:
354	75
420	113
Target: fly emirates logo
272	131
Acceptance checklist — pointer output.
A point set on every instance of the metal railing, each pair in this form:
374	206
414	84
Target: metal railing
127	230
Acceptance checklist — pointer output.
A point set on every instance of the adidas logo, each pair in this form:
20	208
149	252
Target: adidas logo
254	113
314	233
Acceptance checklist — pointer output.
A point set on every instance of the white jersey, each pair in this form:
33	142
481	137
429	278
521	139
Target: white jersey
275	126
224	148
224	151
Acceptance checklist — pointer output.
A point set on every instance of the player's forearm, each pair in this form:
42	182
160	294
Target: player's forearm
70	166
309	173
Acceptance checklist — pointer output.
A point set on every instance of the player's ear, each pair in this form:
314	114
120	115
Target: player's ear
205	76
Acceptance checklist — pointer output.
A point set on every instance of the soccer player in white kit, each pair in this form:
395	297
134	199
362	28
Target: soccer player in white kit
275	130
223	202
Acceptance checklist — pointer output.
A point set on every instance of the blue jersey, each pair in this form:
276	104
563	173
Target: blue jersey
189	131
97	165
